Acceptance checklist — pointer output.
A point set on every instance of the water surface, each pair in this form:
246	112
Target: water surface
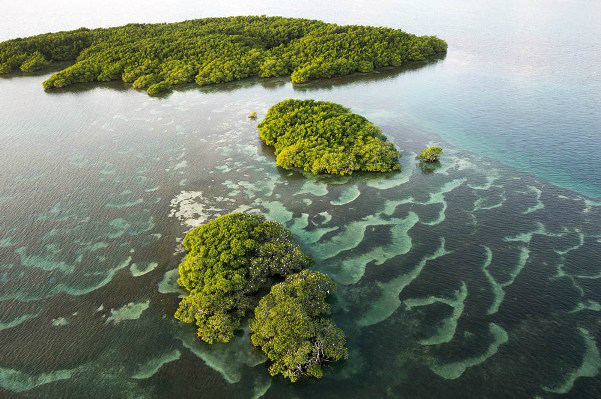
476	279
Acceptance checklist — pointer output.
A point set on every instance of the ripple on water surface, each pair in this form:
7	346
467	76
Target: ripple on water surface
399	245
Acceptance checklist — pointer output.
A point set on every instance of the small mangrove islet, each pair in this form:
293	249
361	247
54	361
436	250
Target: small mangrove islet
325	137
157	57
240	263
430	154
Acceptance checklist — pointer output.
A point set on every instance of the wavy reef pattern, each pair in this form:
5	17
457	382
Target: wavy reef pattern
447	277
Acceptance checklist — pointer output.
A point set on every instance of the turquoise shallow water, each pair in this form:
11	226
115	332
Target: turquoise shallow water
478	279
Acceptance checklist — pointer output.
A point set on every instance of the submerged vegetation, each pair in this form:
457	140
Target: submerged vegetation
156	57
325	137
232	262
430	154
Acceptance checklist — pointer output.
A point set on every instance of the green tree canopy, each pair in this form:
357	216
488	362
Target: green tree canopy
231	261
430	154
155	57
292	325
324	137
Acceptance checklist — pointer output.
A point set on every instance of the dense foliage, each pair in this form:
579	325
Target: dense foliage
430	154
324	137
230	261
156	57
293	327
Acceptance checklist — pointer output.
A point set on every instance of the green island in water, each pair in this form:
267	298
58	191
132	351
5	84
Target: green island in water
325	137
240	262
157	57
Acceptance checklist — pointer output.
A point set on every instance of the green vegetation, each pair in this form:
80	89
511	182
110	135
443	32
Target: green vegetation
252	115
35	62
157	57
293	327
430	154
324	137
234	260
230	261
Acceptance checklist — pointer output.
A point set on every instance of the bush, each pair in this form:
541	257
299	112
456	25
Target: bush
34	63
292	326
158	88
430	154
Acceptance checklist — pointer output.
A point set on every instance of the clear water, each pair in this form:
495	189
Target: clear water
478	280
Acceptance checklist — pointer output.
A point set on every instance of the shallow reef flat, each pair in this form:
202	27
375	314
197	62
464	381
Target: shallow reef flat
445	276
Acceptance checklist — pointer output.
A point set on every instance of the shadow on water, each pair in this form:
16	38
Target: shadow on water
428	168
266	83
55	67
375	76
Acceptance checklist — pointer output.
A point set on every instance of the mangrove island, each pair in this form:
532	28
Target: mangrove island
157	57
238	261
325	137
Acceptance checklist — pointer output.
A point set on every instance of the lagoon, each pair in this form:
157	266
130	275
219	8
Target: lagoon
480	279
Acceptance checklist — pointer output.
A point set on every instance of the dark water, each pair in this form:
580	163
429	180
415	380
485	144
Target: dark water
479	279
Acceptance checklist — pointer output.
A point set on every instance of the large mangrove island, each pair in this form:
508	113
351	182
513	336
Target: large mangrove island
157	57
